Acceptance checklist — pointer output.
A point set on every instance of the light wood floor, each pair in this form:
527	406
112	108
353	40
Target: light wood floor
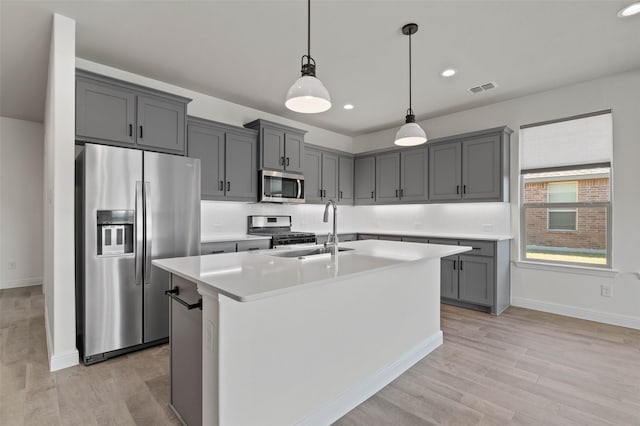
524	368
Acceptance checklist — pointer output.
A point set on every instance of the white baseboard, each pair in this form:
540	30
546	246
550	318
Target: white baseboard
360	392
575	312
23	282
58	361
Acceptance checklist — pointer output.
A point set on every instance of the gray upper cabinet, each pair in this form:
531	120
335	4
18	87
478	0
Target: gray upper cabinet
321	169
161	124
481	167
329	177
388	178
280	147
229	157
345	180
471	167
115	112
104	112
445	171
364	177
312	176
414	176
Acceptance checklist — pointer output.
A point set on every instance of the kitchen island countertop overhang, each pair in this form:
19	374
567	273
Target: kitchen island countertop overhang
255	275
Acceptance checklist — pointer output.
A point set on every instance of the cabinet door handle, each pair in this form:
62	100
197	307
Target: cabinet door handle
287	164
281	161
221	186
397	193
130	130
228	186
461	265
454	265
140	132
457	189
216	252
372	194
340	197
253	248
464	189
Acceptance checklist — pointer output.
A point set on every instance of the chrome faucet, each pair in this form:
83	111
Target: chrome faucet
332	239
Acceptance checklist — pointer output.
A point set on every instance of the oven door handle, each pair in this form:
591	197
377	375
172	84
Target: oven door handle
299	188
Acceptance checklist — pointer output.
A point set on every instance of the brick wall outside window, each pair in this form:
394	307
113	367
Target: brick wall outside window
591	232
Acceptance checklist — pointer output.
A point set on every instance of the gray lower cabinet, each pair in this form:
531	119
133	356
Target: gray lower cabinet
367	237
345	180
251	245
342	238
474	167
114	112
449	277
280	147
235	246
364	177
476	279
185	361
228	157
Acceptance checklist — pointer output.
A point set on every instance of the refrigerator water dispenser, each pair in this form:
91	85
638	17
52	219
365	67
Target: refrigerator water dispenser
115	232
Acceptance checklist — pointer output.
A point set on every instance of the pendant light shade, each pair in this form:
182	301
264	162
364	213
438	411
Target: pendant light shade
410	134
308	95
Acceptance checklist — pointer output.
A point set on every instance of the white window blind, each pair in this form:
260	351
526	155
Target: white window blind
572	142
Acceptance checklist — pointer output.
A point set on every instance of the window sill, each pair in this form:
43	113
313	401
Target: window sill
567	269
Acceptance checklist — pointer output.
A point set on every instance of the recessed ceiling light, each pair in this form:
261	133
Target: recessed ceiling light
632	9
449	72
347	106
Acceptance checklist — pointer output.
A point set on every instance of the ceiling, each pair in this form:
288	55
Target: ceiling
248	52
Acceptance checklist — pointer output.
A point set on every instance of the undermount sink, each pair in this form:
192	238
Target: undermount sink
307	252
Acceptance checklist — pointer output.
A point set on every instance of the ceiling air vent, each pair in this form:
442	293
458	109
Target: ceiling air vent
483	87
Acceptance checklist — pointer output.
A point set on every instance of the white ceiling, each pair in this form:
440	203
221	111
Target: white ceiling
249	52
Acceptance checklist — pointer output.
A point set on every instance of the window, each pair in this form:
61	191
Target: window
566	208
559	219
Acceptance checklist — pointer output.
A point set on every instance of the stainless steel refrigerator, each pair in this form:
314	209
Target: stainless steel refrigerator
132	206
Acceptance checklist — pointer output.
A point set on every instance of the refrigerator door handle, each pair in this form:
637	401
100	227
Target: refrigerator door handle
139	231
148	236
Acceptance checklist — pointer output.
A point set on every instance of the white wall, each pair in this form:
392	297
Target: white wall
21	147
576	294
59	135
211	108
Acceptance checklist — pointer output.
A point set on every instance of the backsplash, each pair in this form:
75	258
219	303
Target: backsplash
224	217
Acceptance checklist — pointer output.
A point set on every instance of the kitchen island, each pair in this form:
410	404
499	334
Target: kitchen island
303	340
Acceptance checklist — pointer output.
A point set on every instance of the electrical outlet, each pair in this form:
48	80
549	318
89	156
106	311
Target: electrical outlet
605	290
12	265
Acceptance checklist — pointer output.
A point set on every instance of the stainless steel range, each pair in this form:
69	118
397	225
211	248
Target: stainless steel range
279	228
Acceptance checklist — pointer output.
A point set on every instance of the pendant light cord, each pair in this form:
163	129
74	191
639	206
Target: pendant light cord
410	106
309	28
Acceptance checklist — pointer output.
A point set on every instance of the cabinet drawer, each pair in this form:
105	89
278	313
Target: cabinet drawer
480	248
343	238
443	241
217	248
367	237
254	245
422	240
390	237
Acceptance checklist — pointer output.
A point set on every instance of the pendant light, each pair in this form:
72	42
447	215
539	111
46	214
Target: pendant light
410	133
308	95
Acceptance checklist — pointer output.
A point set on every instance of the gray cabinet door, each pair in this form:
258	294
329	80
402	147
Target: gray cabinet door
477	279
312	176
481	168
449	277
272	149
161	124
364	177
207	144
293	152
414	178
241	169
104	113
345	180
444	171
388	178
329	177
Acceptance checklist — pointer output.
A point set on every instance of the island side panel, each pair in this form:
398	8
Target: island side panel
310	356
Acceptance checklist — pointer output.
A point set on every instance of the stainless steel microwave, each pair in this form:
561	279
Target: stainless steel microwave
280	187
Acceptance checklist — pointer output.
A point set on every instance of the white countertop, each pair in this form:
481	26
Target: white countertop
221	238
248	276
410	233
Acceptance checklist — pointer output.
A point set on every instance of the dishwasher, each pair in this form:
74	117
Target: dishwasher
185	351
